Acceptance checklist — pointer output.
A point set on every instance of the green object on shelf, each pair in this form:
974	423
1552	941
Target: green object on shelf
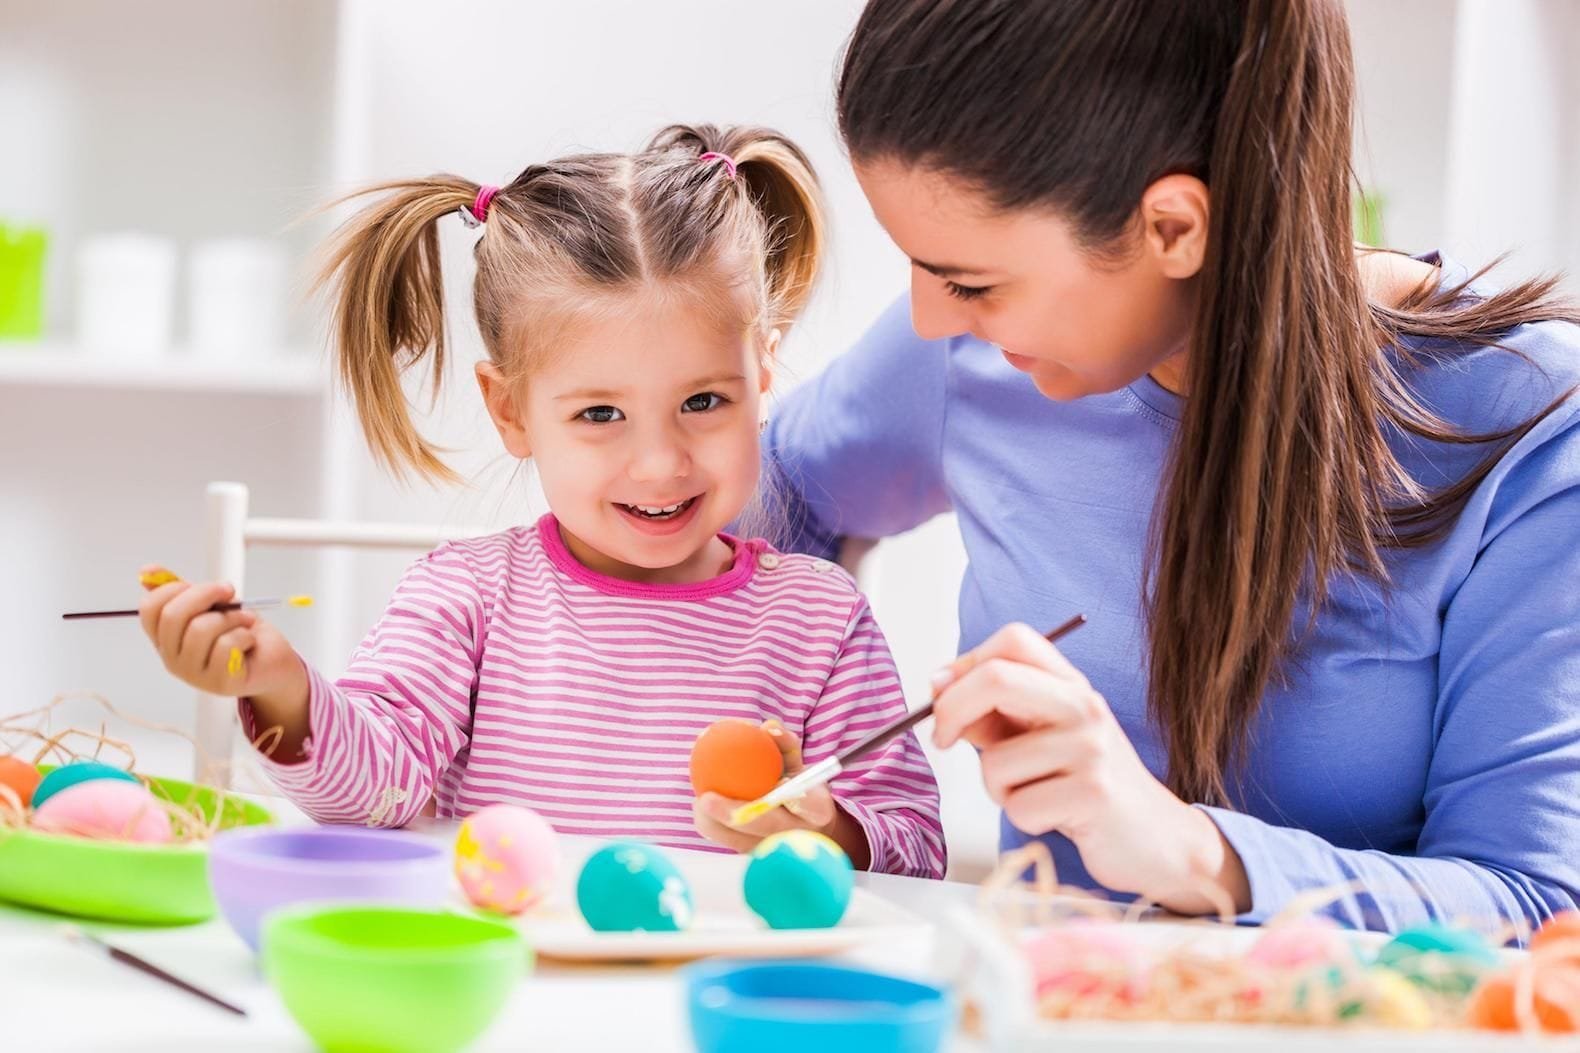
1368	213
22	251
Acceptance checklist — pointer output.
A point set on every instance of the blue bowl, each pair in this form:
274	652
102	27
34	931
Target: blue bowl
793	1007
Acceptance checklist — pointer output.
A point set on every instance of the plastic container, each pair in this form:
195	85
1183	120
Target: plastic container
792	1007
392	979
235	298
125	295
118	881
256	871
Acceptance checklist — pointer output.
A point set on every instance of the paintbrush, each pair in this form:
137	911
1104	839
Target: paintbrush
797	785
234	605
77	935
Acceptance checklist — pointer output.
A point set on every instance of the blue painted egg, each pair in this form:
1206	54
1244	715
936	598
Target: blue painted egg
1439	958
799	880
73	773
629	886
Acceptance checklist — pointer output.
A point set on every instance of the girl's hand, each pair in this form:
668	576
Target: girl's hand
817	811
1055	759
231	653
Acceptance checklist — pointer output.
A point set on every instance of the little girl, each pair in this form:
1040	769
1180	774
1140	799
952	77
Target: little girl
631	307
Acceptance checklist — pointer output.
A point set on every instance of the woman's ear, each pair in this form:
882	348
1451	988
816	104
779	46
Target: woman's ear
500	399
770	358
1174	214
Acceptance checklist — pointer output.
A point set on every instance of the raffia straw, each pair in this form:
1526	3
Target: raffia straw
188	821
1189	983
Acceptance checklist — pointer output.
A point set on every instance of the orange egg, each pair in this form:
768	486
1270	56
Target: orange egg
1492	1009
736	759
1561	929
20	777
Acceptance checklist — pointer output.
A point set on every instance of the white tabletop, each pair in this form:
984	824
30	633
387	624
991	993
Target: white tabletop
57	995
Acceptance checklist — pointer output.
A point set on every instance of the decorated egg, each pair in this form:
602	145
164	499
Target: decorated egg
106	809
21	778
736	759
798	880
1439	958
1083	958
629	886
1493	1008
1299	945
74	773
1559	936
1394	1000
506	858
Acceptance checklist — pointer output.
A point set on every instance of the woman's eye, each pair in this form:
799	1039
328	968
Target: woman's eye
966	292
702	403
600	415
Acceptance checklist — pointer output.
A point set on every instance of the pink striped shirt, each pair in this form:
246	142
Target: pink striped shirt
506	671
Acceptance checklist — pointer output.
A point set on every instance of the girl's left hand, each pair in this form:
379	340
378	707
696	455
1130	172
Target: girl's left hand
1055	758
817	811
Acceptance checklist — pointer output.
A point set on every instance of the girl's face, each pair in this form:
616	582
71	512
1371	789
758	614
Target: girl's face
643	426
1021	281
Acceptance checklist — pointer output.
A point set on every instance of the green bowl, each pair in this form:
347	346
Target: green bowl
391	979
119	881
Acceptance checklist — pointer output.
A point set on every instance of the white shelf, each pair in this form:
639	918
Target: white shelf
63	366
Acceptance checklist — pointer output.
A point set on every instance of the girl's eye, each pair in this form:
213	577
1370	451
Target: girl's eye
702	403
600	415
966	292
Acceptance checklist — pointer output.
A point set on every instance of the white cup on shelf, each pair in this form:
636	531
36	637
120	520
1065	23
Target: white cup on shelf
235	298
125	294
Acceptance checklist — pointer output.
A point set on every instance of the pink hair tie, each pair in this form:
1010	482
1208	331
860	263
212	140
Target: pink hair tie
478	213
729	162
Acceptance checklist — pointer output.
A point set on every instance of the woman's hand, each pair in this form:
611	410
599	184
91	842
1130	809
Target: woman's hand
221	652
817	811
1055	759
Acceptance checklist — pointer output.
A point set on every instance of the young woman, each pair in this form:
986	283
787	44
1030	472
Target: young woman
1320	504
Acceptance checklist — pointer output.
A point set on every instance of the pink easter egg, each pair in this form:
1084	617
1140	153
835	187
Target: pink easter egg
1082	958
1300	945
506	858
106	810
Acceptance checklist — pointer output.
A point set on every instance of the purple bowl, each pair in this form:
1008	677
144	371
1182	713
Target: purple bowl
253	872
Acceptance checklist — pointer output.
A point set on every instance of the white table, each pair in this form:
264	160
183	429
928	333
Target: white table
55	995
58	995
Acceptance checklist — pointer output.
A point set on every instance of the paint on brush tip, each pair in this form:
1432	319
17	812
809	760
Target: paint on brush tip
298	601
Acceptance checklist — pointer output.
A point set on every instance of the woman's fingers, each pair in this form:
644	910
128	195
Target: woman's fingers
1036	755
1016	642
1024	696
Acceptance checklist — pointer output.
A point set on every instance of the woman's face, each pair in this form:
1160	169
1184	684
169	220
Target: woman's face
1075	323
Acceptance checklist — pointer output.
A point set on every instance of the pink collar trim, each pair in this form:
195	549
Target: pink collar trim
740	572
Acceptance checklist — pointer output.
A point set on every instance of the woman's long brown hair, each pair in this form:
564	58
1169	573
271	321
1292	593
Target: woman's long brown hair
1282	476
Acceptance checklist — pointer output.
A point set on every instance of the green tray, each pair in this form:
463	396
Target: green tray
117	881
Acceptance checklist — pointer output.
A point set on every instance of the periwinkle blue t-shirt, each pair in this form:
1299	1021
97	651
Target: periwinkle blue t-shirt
1427	744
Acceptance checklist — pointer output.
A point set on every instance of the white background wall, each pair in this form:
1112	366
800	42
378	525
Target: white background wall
195	119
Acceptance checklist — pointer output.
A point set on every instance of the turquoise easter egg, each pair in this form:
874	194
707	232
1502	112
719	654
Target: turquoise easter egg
629	886
1439	958
73	773
799	880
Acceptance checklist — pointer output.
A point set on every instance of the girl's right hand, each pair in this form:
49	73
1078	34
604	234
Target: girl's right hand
228	653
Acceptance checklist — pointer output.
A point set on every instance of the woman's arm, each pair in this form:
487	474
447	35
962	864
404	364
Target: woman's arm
855	451
1501	837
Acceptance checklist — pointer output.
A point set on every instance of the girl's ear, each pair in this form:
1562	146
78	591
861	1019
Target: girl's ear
770	358
500	399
